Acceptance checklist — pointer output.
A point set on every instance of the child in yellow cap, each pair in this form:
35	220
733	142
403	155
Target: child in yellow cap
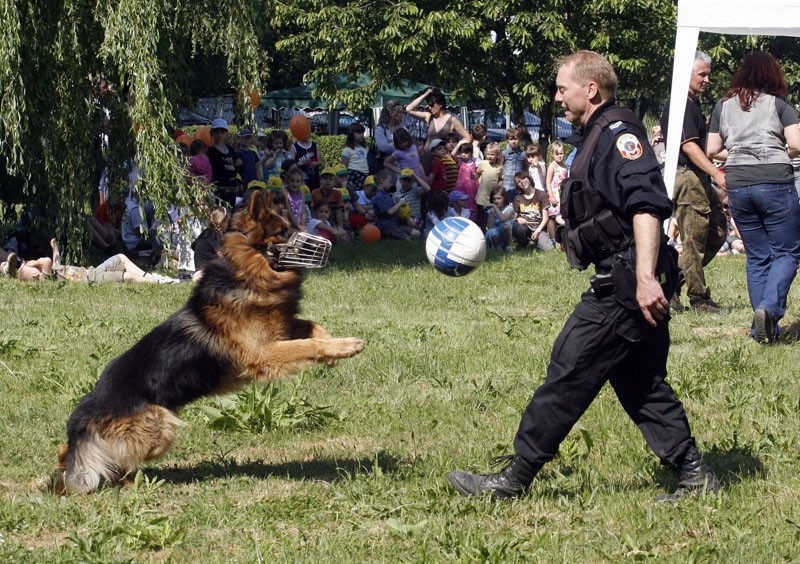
412	187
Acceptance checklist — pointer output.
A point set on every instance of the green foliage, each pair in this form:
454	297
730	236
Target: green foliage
728	51
263	409
330	147
129	526
502	52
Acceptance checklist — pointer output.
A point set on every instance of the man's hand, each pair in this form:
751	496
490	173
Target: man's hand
720	180
649	295
652	302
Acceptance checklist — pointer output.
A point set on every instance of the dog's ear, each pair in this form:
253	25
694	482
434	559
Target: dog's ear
268	199
258	208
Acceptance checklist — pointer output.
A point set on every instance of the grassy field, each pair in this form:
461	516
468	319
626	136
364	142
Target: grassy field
349	464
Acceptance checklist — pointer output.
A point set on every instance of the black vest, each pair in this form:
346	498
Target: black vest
592	232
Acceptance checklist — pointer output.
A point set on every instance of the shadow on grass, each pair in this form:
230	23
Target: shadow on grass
790	333
326	470
730	465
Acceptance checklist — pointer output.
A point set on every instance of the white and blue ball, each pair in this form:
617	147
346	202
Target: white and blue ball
456	246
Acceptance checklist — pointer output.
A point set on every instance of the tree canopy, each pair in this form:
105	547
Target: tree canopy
499	51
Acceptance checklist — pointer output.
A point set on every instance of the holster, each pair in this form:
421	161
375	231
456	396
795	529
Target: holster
623	273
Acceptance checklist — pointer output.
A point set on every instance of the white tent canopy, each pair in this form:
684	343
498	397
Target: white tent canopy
735	17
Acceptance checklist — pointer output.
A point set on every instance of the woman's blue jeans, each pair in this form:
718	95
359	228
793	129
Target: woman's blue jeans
768	218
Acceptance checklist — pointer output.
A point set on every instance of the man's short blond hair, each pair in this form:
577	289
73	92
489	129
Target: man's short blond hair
588	66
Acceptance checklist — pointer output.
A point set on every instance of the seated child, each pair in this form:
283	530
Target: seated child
295	198
412	187
327	193
530	207
362	212
437	210
386	209
342	174
458	201
321	225
279	205
500	218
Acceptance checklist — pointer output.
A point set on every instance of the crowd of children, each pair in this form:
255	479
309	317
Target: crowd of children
511	193
507	191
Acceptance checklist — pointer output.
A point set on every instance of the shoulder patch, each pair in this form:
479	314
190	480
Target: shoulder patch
615	125
629	146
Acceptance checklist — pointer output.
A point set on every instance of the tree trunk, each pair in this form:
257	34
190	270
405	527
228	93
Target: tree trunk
518	116
545	127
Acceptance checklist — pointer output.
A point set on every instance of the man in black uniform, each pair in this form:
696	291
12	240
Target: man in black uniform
613	203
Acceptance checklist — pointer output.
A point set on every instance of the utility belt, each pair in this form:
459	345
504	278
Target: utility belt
602	284
619	280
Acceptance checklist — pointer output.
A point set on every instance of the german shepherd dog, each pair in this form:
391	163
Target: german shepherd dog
239	326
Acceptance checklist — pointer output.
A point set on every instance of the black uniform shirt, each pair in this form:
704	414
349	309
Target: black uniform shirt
625	171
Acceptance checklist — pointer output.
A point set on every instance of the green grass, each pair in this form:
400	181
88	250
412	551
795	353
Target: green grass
449	366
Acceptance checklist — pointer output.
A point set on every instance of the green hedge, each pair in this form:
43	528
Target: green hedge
330	148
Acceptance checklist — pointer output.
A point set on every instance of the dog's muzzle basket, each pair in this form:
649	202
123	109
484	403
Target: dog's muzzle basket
304	250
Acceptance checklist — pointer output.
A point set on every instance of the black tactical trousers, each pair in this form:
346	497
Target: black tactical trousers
604	341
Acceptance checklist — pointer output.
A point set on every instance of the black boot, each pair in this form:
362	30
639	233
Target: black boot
695	477
511	481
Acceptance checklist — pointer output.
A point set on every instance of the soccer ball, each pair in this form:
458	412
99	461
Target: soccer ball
456	246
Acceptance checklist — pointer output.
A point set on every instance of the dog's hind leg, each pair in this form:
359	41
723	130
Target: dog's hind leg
146	435
112	451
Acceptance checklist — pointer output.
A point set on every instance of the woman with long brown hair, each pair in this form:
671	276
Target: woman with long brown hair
750	130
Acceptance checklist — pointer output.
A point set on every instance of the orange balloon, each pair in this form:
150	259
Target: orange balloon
185	139
370	234
204	134
255	99
300	126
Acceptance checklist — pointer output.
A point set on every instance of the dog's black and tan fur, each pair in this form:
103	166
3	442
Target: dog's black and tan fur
239	326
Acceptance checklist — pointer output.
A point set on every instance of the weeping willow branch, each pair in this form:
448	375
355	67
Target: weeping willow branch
12	89
53	56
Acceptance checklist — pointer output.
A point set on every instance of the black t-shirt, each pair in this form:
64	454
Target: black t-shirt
694	126
219	161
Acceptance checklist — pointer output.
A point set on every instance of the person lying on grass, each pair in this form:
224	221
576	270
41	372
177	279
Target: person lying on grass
117	268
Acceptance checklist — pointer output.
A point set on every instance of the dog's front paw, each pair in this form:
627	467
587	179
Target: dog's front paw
351	347
341	348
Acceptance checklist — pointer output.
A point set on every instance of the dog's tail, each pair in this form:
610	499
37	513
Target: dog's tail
110	451
84	464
